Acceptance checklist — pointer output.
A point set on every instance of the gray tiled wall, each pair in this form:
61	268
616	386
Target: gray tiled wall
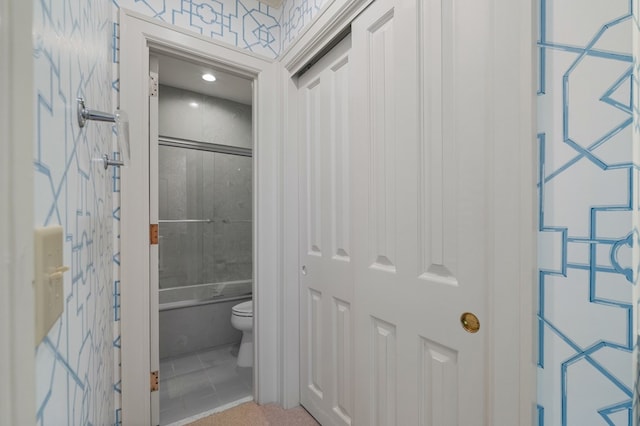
213	120
205	185
195	328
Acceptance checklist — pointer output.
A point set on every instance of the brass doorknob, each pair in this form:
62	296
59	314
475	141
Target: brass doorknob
470	322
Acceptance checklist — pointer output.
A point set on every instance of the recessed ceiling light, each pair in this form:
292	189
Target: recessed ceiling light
208	77
193	104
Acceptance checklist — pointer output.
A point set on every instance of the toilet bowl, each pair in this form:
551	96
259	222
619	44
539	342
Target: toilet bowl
242	319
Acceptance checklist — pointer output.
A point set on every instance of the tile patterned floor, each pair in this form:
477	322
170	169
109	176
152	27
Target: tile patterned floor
194	383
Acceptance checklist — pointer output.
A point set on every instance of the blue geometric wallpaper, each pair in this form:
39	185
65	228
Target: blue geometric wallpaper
635	33
588	192
587	203
296	15
247	24
71	53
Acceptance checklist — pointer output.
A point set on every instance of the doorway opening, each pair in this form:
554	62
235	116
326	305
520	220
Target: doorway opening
201	192
141	41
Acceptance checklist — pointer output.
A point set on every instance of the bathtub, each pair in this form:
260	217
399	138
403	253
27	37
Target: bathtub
197	317
203	294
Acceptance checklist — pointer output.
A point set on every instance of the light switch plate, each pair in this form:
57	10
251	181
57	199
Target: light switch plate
49	278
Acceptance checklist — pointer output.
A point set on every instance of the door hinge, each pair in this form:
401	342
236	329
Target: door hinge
153	234
153	85
155	383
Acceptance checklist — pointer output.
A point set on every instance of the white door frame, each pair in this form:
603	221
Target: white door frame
17	369
510	112
137	34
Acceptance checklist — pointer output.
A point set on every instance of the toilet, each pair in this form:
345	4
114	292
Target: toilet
242	319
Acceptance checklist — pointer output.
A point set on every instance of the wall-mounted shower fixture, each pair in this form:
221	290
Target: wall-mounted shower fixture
121	120
106	161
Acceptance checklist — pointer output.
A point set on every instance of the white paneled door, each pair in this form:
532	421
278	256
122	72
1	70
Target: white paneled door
396	226
419	208
326	322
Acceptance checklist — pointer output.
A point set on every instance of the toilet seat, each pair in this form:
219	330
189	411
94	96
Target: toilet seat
244	309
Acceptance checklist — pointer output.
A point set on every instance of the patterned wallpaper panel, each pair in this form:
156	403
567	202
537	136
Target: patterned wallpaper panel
635	34
296	15
72	57
247	24
586	207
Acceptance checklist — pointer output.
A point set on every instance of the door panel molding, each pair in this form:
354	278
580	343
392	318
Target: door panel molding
382	131
437	167
343	360
316	348
314	168
384	397
438	384
339	164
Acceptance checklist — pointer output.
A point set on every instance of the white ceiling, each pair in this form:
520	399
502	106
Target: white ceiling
187	75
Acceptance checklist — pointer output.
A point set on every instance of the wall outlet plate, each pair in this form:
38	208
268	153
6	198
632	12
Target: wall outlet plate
49	278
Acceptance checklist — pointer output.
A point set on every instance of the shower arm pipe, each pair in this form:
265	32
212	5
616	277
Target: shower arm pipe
85	114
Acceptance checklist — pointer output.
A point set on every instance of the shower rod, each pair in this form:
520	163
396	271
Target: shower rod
204	146
203	221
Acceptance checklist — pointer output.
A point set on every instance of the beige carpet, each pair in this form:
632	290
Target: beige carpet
251	414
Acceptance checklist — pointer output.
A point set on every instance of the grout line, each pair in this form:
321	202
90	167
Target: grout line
223	357
210	412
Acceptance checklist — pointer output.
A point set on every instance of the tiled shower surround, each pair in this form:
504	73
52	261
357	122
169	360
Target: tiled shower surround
202	185
213	120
